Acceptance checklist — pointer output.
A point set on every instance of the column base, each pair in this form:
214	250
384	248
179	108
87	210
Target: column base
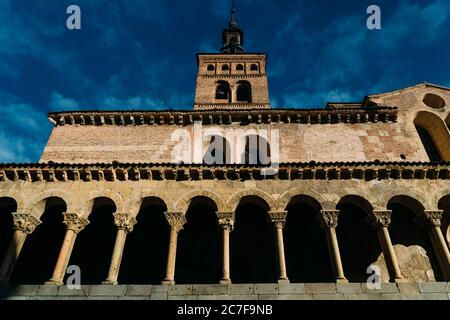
111	282
400	280
341	280
225	281
54	282
168	282
283	281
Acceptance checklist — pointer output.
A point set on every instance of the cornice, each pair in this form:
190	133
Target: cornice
376	170
223	114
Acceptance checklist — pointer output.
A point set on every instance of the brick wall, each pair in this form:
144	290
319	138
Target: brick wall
298	142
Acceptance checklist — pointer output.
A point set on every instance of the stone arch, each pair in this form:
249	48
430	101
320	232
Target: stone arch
357	200
444	205
222	91
152	229
358	195
95	243
16	196
413	248
115	197
183	204
411	202
200	243
37	204
164	197
306	249
438	196
358	242
234	200
436	128
286	198
386	197
243	91
40	251
8	205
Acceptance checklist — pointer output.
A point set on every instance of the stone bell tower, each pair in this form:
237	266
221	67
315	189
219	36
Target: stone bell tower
232	79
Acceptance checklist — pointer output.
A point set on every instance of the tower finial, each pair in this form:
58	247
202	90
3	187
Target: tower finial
233	23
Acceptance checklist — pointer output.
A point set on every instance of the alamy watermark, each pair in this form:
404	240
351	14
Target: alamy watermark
227	146
73	22
374	280
374	20
74	280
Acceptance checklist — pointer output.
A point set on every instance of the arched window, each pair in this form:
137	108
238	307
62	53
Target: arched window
239	67
211	67
218	151
244	92
223	91
257	150
429	145
254	67
434	135
225	67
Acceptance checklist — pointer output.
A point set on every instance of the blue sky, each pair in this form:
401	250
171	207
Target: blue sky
140	54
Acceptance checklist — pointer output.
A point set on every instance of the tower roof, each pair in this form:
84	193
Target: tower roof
232	37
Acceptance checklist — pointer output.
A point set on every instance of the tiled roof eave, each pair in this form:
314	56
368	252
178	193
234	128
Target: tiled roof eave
374	170
224	117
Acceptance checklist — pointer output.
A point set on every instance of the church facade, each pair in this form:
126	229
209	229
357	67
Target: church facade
236	196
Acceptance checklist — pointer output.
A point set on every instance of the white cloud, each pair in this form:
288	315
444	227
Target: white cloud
23	132
59	103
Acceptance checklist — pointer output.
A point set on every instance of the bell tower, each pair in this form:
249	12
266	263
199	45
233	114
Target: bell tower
232	79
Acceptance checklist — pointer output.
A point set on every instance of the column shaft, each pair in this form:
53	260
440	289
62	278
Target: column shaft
74	224
226	256
443	251
125	223
24	224
335	255
63	258
116	258
12	254
431	219
380	220
171	257
329	221
281	256
176	221
279	219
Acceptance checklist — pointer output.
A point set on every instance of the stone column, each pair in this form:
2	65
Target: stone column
279	219
176	221
125	223
431	219
380	220
74	224
24	224
329	219
226	222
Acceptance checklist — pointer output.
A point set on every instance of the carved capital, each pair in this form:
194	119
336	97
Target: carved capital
329	218
75	222
25	222
278	218
176	220
124	221
380	218
431	218
226	219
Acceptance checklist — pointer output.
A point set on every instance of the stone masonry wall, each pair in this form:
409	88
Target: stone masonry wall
297	291
298	142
